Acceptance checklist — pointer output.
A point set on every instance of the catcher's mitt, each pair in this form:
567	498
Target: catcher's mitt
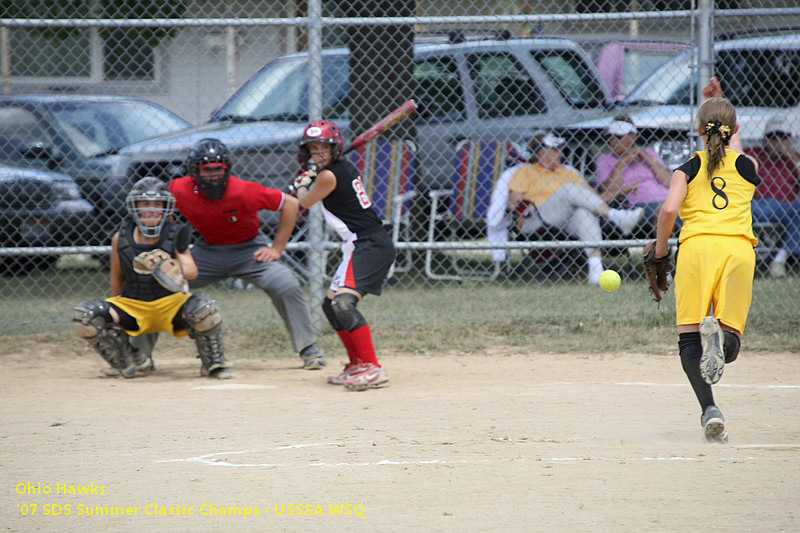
169	274
145	262
656	270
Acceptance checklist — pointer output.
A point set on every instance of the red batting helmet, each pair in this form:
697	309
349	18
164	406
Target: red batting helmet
321	131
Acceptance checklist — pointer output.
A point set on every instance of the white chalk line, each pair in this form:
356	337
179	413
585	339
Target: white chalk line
768	446
215	459
209	459
722	385
234	386
651	384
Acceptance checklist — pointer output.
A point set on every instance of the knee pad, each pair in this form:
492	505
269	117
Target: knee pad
90	318
92	321
344	309
327	308
201	313
731	346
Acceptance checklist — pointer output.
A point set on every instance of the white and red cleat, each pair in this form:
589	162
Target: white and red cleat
350	370
370	377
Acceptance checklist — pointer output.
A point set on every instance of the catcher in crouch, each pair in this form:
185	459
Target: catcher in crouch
150	262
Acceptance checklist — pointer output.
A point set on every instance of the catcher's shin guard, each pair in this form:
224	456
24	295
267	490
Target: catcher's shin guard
92	321
205	327
211	350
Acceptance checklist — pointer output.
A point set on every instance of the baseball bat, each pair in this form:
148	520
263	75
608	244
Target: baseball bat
383	125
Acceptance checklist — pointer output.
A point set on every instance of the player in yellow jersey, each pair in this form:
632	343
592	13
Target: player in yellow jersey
715	264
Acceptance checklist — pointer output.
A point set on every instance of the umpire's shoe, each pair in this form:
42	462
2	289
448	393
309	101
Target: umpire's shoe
712	362
714	425
312	357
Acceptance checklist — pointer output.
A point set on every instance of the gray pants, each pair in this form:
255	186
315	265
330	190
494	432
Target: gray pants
274	278
571	209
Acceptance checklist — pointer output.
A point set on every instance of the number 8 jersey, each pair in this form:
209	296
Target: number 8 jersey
348	207
719	204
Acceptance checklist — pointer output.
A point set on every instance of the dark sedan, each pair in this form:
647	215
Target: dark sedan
80	135
37	208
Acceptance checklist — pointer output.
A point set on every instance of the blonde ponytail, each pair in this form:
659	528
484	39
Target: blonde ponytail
717	117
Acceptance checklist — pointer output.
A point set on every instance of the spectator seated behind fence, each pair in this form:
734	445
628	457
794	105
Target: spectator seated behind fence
776	199
633	175
548	194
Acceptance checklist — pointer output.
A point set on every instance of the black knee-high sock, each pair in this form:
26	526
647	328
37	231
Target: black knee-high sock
731	347
691	350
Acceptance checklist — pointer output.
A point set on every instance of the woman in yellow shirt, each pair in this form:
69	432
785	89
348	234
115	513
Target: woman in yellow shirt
556	196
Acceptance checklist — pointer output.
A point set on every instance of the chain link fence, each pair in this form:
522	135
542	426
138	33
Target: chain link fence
98	94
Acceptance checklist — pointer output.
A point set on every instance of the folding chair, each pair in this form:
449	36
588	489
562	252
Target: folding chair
387	169
477	168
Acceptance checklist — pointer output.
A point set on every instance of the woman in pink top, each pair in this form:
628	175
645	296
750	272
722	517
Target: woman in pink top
635	172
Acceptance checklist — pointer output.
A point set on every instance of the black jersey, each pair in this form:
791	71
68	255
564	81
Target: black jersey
348	208
174	237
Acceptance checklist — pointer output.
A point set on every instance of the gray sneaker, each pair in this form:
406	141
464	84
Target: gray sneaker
144	363
215	372
712	363
312	357
713	423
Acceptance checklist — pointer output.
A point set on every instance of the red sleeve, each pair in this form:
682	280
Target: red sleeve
260	197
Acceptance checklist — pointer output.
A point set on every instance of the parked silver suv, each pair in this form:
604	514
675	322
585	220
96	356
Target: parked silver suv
484	89
758	74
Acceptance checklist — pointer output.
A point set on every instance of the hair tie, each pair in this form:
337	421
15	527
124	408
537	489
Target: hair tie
715	126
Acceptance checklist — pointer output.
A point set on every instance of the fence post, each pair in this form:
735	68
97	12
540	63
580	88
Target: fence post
5	60
705	44
316	255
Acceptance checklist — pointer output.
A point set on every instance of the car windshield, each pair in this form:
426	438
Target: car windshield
662	85
741	72
641	63
280	92
572	76
96	128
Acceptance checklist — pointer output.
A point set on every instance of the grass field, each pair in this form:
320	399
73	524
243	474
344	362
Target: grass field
467	317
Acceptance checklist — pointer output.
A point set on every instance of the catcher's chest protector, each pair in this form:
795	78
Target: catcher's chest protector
138	286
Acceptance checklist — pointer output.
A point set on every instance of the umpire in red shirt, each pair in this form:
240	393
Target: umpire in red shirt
224	210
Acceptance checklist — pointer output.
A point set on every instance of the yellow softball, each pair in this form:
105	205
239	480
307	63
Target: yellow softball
609	280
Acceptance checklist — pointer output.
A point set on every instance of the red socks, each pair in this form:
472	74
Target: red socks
352	353
358	344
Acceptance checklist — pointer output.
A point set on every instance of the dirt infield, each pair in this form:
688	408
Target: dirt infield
501	440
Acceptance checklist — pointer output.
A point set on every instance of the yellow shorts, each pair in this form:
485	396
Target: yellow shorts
153	316
715	269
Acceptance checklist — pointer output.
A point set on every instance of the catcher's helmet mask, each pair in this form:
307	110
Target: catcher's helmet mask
154	190
209	153
321	131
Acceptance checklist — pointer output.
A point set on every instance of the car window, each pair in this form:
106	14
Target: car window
623	64
439	91
573	77
502	87
280	91
102	127
760	78
21	127
668	84
641	63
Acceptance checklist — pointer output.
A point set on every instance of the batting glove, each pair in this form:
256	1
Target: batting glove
305	179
